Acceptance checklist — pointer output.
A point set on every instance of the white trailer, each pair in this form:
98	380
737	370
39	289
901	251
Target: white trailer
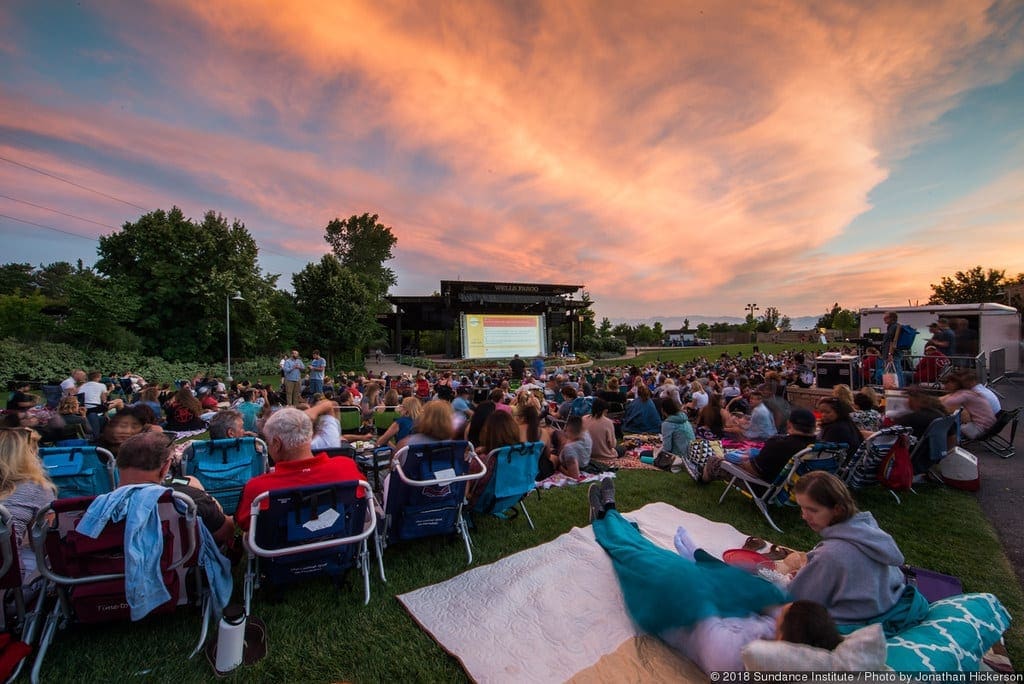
995	327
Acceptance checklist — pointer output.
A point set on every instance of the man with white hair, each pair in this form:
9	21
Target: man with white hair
288	435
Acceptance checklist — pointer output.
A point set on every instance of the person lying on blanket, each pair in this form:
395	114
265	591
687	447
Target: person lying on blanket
697	604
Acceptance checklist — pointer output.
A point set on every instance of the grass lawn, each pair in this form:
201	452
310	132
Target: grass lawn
318	634
686	354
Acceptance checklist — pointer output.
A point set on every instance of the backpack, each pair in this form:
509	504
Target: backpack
581	406
895	471
905	337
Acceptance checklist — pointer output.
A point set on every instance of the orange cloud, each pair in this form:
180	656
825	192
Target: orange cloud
674	158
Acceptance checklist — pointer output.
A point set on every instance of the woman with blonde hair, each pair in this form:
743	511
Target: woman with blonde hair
402	426
24	485
73	415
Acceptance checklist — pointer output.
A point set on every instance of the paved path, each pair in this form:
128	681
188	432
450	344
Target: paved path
1002	480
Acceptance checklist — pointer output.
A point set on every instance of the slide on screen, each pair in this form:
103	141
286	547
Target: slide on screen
493	336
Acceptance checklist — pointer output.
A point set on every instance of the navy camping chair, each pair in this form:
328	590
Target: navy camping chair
826	456
310	531
515	471
427	491
80	470
223	466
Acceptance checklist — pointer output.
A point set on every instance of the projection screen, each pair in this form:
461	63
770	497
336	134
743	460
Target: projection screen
494	336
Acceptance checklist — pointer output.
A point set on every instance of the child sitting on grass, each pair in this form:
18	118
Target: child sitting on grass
574	453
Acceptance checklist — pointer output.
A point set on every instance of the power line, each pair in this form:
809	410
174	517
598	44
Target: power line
58	211
70	182
40	225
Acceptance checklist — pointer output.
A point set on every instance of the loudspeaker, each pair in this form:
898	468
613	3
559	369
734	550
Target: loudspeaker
832	373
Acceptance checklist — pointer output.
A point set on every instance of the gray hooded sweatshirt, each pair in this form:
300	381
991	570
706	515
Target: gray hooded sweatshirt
853	571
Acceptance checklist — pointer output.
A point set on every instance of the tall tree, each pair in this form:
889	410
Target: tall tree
183	272
975	286
605	329
362	244
338	310
16	279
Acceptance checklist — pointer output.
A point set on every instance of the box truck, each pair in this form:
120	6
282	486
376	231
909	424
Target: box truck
989	329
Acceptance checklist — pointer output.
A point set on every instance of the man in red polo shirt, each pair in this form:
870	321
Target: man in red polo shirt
288	434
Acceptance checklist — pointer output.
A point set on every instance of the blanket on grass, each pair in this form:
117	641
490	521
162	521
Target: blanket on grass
562	480
555	612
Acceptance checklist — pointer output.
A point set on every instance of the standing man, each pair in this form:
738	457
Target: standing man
890	351
517	366
943	338
538	367
69	387
293	368
317	366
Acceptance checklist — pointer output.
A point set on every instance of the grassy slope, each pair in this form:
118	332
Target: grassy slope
318	634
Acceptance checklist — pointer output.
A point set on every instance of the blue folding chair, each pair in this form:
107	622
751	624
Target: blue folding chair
310	531
223	466
80	470
515	472
427	496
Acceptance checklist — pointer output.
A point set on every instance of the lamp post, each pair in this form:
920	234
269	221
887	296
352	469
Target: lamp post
752	308
227	318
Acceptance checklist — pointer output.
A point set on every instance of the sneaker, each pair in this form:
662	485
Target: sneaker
607	494
596	507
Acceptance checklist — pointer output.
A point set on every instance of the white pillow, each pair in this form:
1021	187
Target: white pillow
861	650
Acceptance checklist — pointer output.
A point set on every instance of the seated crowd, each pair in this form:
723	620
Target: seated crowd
579	418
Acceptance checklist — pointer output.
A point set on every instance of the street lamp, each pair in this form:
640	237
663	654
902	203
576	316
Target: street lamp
227	317
752	308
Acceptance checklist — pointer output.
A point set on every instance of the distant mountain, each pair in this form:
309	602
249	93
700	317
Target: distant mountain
676	322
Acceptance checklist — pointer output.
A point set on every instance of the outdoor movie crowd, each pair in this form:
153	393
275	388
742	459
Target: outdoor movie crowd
588	420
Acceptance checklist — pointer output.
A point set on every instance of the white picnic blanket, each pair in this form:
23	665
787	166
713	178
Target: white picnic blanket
554	612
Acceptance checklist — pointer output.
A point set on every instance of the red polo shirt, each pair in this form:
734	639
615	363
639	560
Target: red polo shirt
305	471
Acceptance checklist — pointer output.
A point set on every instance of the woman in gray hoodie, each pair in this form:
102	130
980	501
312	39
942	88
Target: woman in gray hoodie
855	569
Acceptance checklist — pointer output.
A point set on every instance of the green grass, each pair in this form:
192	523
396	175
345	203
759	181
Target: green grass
318	634
686	354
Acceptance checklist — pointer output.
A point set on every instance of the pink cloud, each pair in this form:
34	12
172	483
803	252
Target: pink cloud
672	158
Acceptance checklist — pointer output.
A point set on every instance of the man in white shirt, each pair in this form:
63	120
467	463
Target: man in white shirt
69	387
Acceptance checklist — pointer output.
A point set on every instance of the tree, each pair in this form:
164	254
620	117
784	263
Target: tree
331	321
16	279
785	323
839	318
605	329
23	318
183	272
686	324
625	332
703	331
99	311
975	286
362	244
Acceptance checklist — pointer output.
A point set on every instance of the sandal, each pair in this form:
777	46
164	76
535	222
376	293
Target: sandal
754	544
777	553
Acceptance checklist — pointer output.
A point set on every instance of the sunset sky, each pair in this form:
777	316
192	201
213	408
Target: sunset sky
676	158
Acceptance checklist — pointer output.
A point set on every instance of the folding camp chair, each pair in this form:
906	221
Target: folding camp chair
223	466
310	531
89	574
936	438
427	496
350	418
80	470
515	472
383	417
993	440
861	470
12	582
827	456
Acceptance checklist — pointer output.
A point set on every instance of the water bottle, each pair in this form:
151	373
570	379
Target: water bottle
230	638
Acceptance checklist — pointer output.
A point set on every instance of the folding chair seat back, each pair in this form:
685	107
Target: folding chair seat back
993	439
310	531
93	570
821	456
426	497
515	473
383	417
80	470
223	466
10	568
862	469
936	437
350	418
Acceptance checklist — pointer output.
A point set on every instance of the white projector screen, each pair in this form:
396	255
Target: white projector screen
495	336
